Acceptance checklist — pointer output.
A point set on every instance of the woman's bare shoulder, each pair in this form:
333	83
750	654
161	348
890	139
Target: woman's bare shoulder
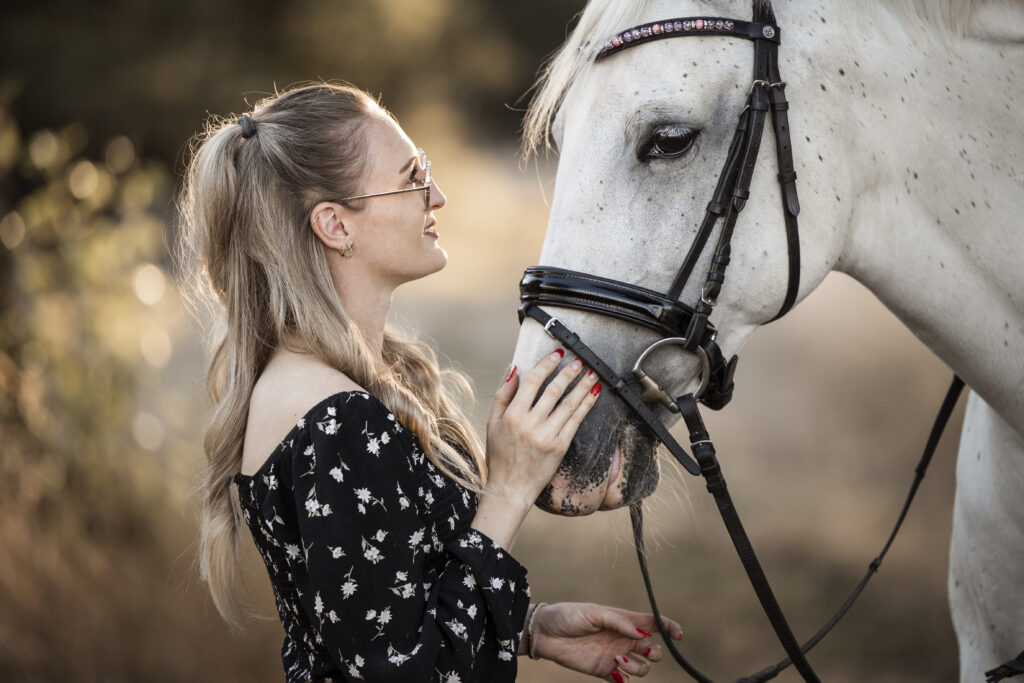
288	388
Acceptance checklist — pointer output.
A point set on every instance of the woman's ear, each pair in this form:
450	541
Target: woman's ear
328	223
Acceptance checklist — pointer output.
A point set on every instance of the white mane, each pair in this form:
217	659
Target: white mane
948	19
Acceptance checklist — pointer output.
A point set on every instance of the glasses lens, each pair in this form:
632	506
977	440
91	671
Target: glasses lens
425	165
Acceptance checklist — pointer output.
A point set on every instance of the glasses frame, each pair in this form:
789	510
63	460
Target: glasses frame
424	164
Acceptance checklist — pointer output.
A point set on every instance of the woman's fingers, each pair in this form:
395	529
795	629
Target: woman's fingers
574	398
648	650
589	389
556	388
634	666
504	395
531	382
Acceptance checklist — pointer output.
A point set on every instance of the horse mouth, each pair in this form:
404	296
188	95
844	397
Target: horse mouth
604	469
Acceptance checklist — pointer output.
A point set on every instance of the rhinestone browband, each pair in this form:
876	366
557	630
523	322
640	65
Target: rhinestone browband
688	26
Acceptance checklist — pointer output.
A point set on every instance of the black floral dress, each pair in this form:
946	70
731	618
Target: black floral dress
376	572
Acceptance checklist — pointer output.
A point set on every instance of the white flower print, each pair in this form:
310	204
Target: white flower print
361	508
416	538
292	550
363	494
373	446
332	411
301	423
354	672
337	474
336	551
401	576
457	628
504	655
312	508
379	536
471	611
403	502
348	589
497	582
385	438
309	450
408	591
470	581
452	677
371	615
385	616
333	616
271	482
318	604
372	554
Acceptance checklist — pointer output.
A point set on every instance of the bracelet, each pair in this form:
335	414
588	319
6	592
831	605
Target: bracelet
530	640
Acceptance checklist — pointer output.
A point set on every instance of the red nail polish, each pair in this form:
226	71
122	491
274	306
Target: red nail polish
639	630
625	659
511	373
618	677
595	391
590	373
560	352
647	652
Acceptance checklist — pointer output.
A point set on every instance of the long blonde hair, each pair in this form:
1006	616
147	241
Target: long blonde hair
248	249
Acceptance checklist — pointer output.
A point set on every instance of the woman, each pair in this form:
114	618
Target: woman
384	528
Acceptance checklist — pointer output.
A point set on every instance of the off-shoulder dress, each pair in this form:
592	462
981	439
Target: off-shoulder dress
376	572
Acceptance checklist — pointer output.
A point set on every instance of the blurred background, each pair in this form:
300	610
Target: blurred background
102	402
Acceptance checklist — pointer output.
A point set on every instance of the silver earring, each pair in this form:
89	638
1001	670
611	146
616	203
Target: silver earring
346	251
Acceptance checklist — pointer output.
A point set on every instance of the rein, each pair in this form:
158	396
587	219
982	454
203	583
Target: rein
689	327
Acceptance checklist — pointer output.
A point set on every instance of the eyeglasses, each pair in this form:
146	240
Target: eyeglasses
424	165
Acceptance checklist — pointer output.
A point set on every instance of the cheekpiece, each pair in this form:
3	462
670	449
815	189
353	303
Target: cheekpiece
248	126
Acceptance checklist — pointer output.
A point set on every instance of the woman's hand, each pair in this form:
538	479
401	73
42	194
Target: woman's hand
606	642
527	440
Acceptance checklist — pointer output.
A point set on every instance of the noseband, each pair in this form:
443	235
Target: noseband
689	327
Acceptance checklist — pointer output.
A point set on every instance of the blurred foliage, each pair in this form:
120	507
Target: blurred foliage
156	68
81	493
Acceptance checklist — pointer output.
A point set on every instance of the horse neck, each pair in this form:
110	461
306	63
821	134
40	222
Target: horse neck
931	179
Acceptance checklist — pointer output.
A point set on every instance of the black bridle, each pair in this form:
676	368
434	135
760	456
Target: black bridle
690	328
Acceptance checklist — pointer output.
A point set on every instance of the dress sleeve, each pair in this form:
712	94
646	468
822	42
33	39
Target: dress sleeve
378	606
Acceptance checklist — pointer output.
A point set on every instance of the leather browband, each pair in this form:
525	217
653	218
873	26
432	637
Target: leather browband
688	26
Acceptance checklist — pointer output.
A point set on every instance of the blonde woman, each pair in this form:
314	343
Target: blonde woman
385	525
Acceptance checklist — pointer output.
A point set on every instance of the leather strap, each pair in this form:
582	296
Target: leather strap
1009	669
688	26
612	380
704	452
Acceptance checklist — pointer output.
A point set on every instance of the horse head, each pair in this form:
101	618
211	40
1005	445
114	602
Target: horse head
642	137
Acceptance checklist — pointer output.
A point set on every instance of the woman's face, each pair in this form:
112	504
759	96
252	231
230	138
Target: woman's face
397	237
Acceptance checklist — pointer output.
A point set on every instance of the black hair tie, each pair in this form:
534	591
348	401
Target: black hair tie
248	126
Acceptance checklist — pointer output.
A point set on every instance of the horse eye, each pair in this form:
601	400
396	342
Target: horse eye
668	142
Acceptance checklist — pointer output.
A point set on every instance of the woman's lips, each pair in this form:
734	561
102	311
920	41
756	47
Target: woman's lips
429	230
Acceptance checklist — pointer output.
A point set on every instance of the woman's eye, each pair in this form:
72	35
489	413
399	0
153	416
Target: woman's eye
668	143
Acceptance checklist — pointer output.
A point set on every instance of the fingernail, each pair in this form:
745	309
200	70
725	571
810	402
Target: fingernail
639	630
647	651
595	391
556	355
590	373
511	373
618	677
576	364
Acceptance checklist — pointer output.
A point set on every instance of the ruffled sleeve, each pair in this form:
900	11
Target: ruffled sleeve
377	606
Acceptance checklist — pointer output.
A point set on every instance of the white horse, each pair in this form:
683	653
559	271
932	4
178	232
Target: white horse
907	136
